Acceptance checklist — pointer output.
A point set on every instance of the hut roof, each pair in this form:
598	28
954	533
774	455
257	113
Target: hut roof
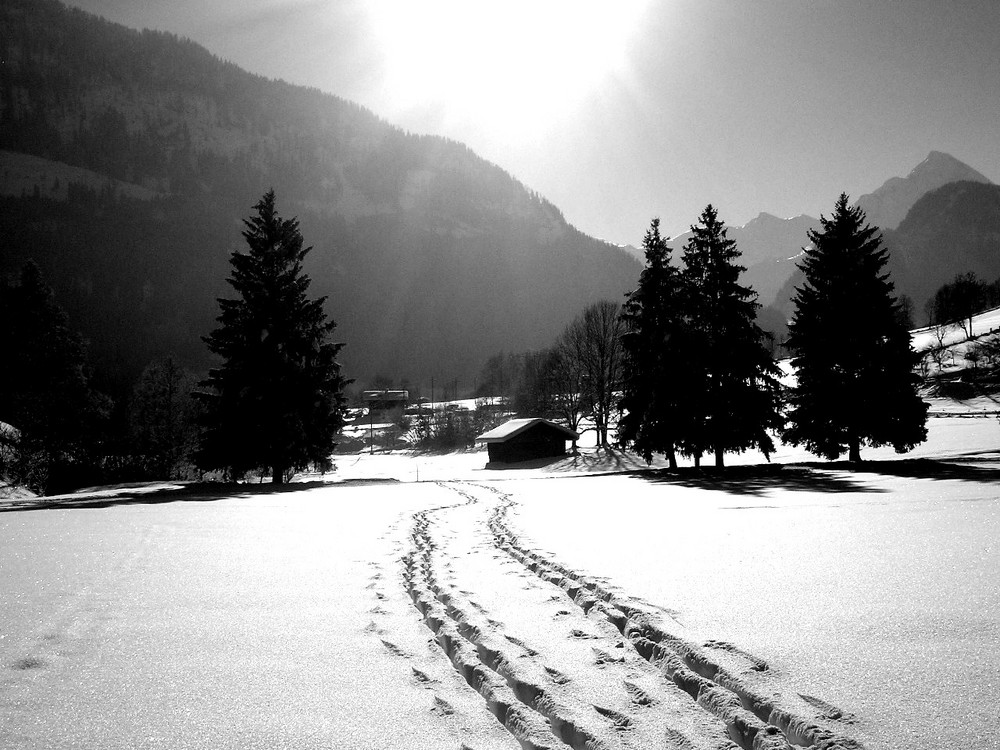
385	395
514	427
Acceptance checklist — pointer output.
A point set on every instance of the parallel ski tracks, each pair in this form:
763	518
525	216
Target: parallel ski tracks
532	699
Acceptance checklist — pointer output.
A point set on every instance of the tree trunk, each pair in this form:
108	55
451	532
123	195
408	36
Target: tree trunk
277	475
672	458
720	457
697	460
854	450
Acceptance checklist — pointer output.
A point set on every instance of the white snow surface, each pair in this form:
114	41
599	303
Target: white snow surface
984	323
577	603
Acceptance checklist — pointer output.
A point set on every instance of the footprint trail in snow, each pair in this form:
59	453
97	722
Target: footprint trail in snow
564	660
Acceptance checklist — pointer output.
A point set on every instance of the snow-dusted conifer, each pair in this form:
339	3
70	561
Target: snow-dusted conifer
277	399
732	391
853	357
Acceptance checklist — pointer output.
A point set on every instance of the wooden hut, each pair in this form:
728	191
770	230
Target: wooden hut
383	401
525	440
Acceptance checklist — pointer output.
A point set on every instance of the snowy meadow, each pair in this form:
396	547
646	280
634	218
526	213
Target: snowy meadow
576	604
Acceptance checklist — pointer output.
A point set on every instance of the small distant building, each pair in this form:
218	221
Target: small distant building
381	401
526	439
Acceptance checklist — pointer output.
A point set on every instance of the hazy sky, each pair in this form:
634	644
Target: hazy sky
622	110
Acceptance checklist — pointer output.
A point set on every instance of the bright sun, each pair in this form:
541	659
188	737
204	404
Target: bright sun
515	61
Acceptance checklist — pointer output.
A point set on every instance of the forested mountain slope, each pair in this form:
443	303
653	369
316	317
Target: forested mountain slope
954	229
128	159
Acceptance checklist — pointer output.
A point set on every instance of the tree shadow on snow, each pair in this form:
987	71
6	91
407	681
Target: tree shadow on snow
968	468
758	479
607	460
194	492
829	477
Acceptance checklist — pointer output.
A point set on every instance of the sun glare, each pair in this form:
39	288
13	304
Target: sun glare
517	60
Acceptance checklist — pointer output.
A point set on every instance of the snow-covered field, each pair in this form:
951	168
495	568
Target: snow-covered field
985	322
579	604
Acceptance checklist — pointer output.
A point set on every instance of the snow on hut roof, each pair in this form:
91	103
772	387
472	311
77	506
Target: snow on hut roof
513	427
385	395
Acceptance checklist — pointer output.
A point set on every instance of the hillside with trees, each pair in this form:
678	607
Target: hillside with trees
952	230
125	157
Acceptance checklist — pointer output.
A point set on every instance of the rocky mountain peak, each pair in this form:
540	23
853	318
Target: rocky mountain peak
939	165
888	205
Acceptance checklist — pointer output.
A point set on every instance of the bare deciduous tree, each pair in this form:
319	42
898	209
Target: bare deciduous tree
566	373
590	351
939	351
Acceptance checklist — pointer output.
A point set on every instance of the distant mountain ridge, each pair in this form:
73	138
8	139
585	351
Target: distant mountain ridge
948	231
951	230
128	159
888	205
768	247
938	221
765	237
948	223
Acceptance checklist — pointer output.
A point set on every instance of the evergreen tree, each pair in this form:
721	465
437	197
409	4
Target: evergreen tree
853	357
45	392
277	399
650	348
732	397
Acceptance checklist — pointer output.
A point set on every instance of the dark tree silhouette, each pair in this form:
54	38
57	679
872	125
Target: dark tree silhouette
853	358
733	396
163	420
45	392
651	364
277	399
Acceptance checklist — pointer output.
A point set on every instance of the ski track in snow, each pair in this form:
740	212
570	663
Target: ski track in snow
563	659
389	622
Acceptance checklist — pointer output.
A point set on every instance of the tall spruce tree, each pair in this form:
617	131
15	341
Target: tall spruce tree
277	400
651	351
852	356
733	394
